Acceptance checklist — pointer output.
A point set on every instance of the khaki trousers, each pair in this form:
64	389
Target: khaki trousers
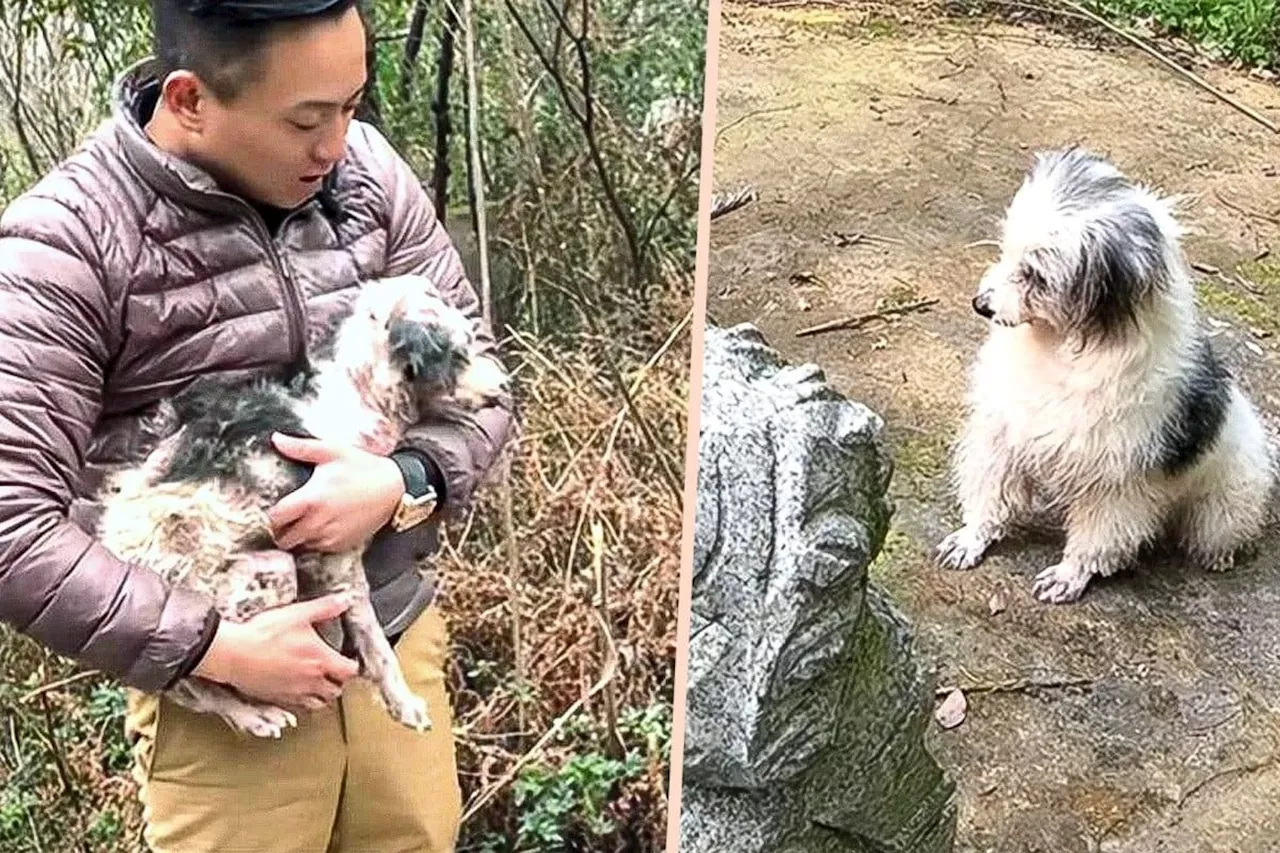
347	780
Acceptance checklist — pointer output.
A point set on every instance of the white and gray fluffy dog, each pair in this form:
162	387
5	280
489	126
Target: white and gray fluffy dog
1096	395
195	510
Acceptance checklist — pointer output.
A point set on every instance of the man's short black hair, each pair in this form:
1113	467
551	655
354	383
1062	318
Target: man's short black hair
222	41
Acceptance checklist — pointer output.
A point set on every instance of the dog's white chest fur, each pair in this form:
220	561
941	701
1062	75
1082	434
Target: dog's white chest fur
1068	419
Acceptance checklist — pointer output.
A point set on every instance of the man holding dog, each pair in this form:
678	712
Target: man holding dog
229	207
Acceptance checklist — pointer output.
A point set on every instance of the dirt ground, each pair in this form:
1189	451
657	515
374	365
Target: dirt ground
1145	718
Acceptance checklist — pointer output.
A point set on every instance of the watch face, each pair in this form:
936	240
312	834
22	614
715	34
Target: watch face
413	511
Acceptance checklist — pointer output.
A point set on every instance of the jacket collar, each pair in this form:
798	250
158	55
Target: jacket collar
134	97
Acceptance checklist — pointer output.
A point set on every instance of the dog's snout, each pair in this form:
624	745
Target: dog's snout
982	305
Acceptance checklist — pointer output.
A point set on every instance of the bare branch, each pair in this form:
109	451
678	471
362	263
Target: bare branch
440	107
412	47
585	116
15	109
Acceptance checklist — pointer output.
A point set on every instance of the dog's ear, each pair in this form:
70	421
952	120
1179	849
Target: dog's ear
1114	277
428	353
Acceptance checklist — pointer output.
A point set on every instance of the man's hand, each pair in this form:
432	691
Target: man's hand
278	657
351	495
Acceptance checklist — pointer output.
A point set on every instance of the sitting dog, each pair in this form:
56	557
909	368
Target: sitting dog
1096	395
195	510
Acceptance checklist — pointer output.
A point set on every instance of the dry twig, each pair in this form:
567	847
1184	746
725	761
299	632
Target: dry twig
1254	214
842	240
56	685
1169	63
1017	685
1242	769
722	205
614	745
862	319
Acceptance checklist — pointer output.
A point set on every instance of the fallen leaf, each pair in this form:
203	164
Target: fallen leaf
998	602
952	710
1253	348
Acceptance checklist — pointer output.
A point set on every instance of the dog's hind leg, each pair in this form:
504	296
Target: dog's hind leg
993	493
1105	531
207	697
1219	525
378	662
313	583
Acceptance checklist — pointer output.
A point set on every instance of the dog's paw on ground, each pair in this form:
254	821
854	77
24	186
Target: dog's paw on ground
1061	584
961	550
1222	563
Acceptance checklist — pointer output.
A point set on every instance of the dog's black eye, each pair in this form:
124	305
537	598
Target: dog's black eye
1034	280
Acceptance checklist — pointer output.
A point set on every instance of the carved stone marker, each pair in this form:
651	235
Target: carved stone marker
806	711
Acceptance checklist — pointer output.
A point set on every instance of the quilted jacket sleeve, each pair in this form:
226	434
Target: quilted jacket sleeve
464	446
58	585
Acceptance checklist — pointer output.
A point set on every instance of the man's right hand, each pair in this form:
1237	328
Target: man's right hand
278	657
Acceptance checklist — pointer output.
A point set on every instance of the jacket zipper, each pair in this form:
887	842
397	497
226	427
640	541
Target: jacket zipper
288	288
294	315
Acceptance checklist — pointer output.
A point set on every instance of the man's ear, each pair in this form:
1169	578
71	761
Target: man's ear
183	96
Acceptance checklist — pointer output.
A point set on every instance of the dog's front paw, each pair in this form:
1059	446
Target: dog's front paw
961	550
1221	563
410	710
1061	584
260	720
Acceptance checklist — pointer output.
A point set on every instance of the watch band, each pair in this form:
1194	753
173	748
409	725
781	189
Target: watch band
414	471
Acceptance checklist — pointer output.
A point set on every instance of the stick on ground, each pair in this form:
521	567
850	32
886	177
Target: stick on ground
723	204
862	319
1016	685
1193	77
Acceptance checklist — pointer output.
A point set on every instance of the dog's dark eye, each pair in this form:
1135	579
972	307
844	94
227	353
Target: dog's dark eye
1034	280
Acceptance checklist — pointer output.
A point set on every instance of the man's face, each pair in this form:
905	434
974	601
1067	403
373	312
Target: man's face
287	127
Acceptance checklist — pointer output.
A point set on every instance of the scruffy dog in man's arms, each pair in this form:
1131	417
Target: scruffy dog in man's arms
1096	395
196	509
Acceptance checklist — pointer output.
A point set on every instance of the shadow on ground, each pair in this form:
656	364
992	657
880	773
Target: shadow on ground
1146	718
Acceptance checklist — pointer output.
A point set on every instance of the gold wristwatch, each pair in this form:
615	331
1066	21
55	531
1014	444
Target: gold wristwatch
418	503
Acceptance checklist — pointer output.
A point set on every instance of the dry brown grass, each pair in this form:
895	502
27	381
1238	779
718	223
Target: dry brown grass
589	505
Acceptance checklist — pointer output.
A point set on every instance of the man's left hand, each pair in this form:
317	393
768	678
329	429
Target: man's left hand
351	495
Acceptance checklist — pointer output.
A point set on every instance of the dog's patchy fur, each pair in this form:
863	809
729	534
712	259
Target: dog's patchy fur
1096	396
196	509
